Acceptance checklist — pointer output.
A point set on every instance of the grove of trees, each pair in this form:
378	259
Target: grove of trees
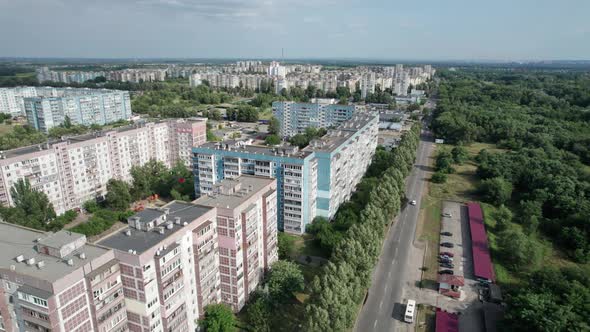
540	182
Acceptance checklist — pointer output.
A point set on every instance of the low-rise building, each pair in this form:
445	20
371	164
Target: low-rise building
247	232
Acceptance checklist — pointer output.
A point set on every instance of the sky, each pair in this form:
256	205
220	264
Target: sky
503	30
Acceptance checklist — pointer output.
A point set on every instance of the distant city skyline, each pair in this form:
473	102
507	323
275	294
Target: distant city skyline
322	29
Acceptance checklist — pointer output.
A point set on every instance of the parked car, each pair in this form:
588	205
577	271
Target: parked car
446	258
447	245
446	233
446	253
412	202
447	265
446	214
446	272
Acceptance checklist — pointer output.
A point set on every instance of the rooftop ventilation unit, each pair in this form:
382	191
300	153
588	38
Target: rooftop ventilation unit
12	267
184	223
128	232
70	262
161	230
177	220
82	255
170	226
20	258
130	251
31	261
40	265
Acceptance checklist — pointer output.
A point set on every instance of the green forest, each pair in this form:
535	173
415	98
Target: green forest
540	182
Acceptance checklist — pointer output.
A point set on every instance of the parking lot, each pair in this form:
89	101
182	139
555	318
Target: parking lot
457	225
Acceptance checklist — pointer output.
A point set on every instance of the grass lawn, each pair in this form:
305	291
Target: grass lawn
425	318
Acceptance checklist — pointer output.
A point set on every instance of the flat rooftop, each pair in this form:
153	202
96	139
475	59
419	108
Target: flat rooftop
237	146
48	145
140	240
16	240
231	193
329	142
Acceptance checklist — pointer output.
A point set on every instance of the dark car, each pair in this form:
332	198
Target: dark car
447	245
445	259
446	233
446	272
446	253
447	265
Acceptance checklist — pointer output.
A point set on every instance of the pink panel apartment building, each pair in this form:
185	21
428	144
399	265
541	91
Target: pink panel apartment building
76	169
58	282
247	233
169	266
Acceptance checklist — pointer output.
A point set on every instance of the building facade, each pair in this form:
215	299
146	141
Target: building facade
11	99
76	169
247	233
81	106
310	182
294	117
169	266
58	282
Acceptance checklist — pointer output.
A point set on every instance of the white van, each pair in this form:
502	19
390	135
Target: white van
410	311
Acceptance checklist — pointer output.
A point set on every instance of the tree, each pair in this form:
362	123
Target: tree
286	245
218	318
67	122
496	190
459	154
444	162
503	217
272	140
274	126
258	313
34	204
284	280
518	249
439	177
118	196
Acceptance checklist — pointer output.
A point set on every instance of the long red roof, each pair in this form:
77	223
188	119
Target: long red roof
482	262
446	321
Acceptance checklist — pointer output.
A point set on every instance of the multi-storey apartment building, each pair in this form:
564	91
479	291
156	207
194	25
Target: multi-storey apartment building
312	181
186	133
11	99
76	169
367	84
82	106
58	282
169	266
247	233
320	113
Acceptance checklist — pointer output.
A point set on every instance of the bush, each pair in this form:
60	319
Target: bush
439	177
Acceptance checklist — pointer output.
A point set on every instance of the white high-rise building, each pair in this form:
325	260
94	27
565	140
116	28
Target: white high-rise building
367	84
11	99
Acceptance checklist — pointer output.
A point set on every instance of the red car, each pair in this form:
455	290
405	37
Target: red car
450	254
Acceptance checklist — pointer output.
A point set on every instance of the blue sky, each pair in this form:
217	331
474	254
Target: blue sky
376	29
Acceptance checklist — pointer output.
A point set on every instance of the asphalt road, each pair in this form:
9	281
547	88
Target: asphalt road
384	307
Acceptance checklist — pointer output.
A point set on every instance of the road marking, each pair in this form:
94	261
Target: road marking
375	324
381	304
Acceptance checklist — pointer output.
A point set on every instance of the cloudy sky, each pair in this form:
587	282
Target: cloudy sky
373	29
